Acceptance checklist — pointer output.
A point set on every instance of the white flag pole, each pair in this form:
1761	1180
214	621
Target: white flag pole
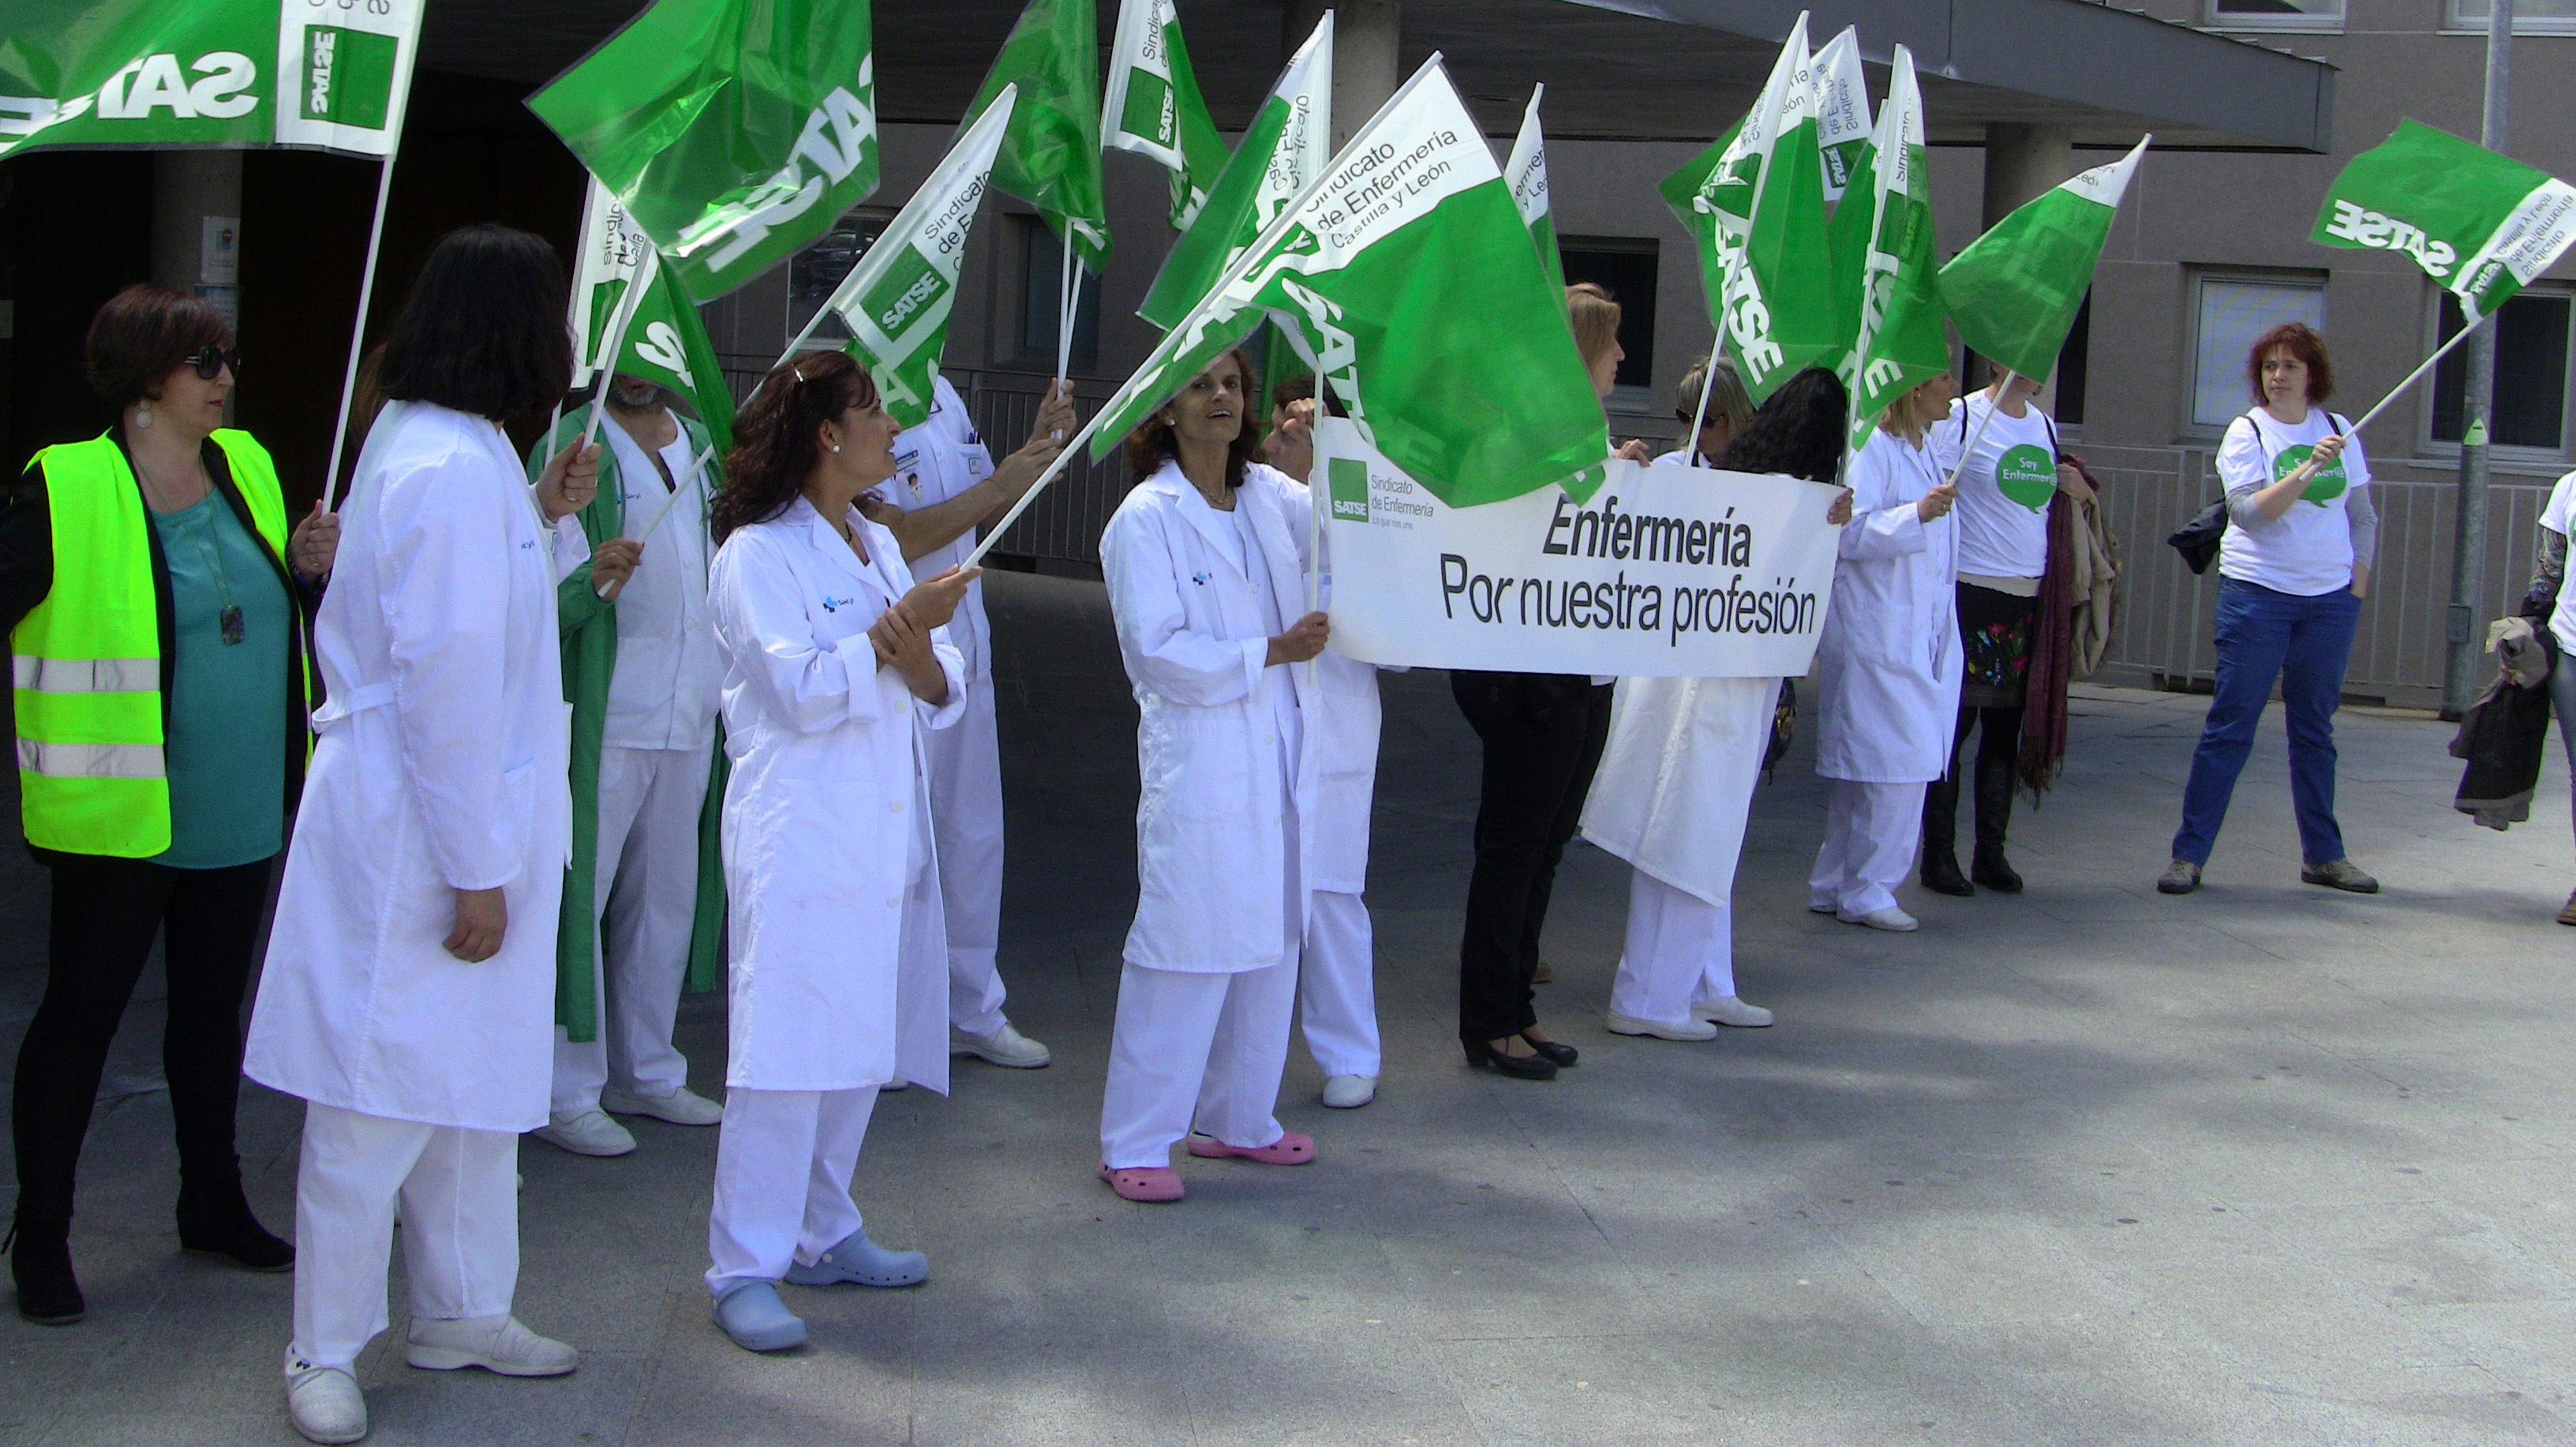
690	479
645	272
358	330
1039	486
2417	375
1068	305
2002	385
1699	419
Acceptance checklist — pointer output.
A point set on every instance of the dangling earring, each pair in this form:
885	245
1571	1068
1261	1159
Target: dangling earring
143	414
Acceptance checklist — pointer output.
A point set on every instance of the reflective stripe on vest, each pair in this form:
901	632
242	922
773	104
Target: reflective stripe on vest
85	664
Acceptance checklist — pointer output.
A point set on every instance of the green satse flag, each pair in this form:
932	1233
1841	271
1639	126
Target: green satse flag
2015	291
225	73
1526	171
1883	251
1283	152
665	342
1050	156
1152	106
897	300
1758	213
2481	224
1842	112
735	131
1411	283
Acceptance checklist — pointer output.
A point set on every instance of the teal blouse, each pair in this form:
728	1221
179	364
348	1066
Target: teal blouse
227	699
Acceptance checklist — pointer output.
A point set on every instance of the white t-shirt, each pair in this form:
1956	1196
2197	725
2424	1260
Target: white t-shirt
2004	488
2559	516
2307	551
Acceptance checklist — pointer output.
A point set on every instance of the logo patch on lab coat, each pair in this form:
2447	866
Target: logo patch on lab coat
835	605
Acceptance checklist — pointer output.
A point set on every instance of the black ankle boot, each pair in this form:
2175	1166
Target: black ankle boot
1994	814
40	1258
1941	871
217	1221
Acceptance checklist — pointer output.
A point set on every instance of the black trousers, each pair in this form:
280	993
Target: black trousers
1543	736
105	914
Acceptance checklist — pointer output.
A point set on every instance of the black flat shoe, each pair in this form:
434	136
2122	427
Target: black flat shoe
1563	1055
220	1223
1519	1067
1941	874
41	1262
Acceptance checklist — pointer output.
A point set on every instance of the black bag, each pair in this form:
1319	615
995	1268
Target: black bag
2198	540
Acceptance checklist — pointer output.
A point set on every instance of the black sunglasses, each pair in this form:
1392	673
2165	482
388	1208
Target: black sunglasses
211	361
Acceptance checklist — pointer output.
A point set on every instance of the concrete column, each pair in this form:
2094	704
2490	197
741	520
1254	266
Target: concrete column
1366	68
187	187
2021	162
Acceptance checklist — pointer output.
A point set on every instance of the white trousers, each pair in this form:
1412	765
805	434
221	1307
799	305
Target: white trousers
647	895
1871	834
459	1191
1201	1047
1680	951
965	762
783	1166
1337	985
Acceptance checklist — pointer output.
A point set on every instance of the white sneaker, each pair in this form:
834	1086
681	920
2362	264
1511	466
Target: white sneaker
1662	1029
1349	1092
1728	1010
1891	919
590	1133
1820	906
499	1344
1005	1047
325	1404
681	1107
894	1085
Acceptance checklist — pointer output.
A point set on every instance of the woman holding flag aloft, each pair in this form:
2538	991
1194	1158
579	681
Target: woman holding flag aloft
1206	563
2293	568
1888	663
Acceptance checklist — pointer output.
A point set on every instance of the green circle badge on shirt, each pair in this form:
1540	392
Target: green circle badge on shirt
2027	475
2327	485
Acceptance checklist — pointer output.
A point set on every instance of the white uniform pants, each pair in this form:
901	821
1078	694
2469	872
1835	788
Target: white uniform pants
1336	985
460	1214
966	815
1871	834
1188	1044
647	895
1681	950
783	1165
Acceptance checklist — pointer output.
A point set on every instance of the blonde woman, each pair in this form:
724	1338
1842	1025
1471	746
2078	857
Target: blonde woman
1888	664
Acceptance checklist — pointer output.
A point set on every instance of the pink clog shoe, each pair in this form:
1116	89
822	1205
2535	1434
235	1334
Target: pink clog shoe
1291	1149
1149	1184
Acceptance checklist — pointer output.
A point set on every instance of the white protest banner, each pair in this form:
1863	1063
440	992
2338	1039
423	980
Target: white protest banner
1675	572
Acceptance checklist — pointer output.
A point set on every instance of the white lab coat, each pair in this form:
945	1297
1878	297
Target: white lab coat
441	766
1676	778
827	844
1888	661
1342	728
1210	848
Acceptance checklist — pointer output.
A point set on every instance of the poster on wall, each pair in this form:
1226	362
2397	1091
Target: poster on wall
1665	572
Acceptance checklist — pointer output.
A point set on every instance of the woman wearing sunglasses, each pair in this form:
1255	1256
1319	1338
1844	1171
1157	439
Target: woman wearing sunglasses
156	598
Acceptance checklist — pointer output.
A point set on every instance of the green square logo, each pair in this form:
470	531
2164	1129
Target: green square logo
904	294
348	76
1349	483
1150	110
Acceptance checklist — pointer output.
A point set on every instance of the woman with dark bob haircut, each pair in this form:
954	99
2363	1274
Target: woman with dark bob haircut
839	954
156	602
409	992
1206	565
2293	568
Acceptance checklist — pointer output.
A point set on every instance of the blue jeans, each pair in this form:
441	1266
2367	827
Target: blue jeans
2305	643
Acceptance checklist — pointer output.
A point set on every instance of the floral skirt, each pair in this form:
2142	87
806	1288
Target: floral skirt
1994	630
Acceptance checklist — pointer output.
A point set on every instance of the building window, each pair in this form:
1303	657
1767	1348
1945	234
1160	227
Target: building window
2530	17
1042	300
2229	313
1625	269
2321	17
2073	359
2530	374
819	268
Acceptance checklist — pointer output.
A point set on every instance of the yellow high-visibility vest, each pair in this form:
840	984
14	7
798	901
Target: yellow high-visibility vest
85	664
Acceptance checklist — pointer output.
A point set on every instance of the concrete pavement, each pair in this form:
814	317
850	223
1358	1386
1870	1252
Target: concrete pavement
2264	1165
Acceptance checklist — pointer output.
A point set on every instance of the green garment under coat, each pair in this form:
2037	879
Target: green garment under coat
589	630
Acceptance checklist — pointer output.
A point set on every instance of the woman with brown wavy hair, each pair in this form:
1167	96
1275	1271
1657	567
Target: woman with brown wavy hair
838	977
